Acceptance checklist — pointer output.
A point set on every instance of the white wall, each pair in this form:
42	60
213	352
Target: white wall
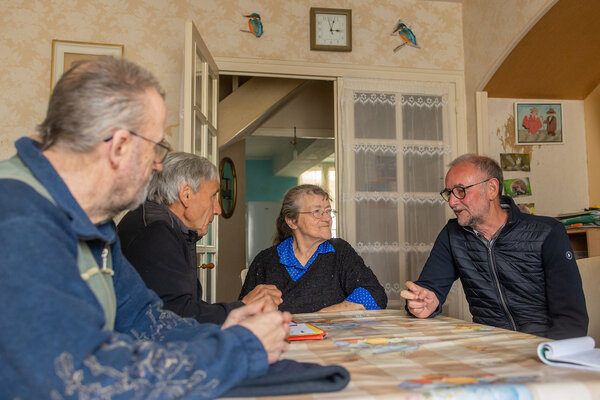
558	173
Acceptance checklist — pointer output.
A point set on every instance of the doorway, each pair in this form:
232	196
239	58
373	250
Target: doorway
289	140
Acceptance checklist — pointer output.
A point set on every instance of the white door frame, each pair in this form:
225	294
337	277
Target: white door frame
200	106
337	73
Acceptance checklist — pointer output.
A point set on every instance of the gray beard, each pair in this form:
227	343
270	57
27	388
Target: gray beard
117	206
137	201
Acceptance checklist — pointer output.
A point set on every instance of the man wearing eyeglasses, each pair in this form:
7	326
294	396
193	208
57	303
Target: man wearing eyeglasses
518	270
159	238
77	320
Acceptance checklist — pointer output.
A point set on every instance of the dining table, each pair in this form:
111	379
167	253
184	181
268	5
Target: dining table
392	355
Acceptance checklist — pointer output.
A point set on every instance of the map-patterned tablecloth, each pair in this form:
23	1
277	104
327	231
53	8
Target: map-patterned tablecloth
391	355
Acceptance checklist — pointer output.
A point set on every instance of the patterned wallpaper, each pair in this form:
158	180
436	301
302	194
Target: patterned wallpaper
153	33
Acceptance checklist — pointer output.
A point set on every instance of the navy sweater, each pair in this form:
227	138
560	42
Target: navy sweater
329	280
52	344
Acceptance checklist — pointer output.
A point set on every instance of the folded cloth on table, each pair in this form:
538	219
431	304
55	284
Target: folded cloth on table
292	377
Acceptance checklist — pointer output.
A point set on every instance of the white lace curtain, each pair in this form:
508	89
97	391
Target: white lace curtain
396	140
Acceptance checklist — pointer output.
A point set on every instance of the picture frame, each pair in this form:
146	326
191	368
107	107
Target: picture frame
515	162
517	187
66	52
539	123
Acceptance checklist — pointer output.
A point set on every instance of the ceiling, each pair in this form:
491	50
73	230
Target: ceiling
300	113
559	58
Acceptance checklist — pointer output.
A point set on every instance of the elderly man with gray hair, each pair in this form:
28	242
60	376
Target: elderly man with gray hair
517	270
159	238
77	320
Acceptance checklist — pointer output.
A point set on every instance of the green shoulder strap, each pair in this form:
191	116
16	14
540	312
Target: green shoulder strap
98	279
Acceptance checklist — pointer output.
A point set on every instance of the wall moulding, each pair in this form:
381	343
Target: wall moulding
328	71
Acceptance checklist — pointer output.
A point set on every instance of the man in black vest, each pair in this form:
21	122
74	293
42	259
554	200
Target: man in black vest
518	270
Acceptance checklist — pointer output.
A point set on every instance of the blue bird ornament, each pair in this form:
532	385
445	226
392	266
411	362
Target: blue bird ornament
406	34
254	24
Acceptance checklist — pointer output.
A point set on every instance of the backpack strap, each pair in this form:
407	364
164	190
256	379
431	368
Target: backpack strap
98	279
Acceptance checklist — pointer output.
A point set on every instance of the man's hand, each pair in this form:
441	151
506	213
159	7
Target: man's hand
271	328
268	294
420	301
343	306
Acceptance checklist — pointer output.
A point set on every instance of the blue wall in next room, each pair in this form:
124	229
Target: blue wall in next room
262	185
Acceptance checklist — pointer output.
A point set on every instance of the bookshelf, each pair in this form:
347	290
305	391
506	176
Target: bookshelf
585	241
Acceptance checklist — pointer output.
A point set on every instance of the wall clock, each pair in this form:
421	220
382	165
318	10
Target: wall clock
330	29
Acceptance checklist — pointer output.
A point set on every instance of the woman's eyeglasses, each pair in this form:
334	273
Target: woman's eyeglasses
320	214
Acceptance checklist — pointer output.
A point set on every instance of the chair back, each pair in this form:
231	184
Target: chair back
245	272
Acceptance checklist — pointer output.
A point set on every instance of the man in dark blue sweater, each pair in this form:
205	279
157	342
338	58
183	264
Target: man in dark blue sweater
518	270
77	320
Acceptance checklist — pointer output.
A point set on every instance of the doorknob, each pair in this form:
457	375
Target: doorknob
207	266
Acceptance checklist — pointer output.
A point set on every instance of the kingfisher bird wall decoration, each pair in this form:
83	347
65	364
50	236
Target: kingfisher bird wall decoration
408	37
254	24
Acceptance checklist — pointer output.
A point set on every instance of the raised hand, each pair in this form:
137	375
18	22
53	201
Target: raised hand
420	301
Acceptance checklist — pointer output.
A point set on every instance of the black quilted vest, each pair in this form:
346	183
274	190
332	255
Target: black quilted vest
504	279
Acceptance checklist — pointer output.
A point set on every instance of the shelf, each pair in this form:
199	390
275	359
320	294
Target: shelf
585	241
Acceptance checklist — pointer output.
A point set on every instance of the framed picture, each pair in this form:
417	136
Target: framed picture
65	53
515	162
517	187
527	208
538	123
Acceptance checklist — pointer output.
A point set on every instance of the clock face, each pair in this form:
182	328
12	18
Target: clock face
330	30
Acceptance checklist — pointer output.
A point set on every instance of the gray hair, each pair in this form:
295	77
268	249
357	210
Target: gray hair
290	208
486	165
93	98
178	169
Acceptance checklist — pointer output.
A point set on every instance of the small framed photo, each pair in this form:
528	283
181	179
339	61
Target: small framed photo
539	123
527	208
65	53
517	187
515	162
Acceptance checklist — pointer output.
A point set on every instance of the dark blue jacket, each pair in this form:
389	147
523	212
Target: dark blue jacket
525	279
163	251
52	344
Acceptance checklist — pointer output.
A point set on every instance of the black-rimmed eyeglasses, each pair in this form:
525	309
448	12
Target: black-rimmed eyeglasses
320	214
162	148
459	191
